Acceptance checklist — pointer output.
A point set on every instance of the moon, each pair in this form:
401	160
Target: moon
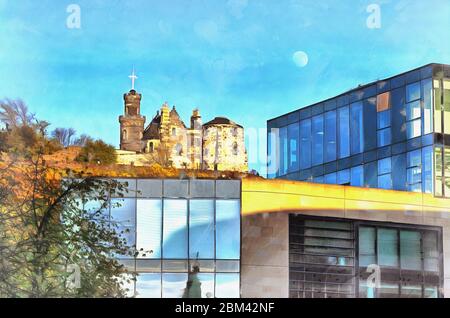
300	58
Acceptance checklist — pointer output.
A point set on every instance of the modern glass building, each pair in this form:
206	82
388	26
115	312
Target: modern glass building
390	134
187	236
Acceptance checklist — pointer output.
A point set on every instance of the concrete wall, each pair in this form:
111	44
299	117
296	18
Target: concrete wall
265	256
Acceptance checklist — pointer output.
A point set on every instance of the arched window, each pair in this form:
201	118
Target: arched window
179	149
174	132
124	134
234	131
235	149
151	147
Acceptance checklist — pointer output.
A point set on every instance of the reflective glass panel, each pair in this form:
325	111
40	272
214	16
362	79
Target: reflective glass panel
427	169
293	136
305	144
410	250
387	247
383	101
384	119
356	128
413	129
330	136
413	110
175	229
384	166
413	92
149	228
330	178
367	254
174	285
344	132
148	285
427	106
317	145
228	229
384	137
123	212
343	176
201	229
385	181
283	151
227	285
357	176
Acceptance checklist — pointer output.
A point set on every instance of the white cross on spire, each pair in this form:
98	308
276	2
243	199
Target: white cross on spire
133	78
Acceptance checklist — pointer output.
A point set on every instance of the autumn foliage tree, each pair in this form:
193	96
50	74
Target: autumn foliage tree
56	236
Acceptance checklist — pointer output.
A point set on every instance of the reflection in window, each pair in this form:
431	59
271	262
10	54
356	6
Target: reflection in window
357	176
387	247
305	144
175	229
343	177
344	132
384	173
148	285
330	178
201	229
384	137
317	143
383	101
438	164
414	170
446	108
447	172
410	250
413	110
227	229
173	284
123	214
356	128
227	285
199	285
149	228
330	136
413	92
427	86
367	253
413	129
427	169
293	135
283	151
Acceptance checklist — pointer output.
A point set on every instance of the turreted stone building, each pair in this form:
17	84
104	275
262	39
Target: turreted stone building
217	145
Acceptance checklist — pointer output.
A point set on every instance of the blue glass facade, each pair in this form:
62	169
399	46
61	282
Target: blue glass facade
390	134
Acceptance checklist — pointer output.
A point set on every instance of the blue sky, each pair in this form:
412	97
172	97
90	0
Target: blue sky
231	58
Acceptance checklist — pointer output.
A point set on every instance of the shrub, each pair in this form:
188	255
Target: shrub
97	151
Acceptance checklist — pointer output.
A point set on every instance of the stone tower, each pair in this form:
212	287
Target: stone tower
132	123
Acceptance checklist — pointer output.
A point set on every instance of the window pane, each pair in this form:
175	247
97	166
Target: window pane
305	144
330	178
367	246
199	285
413	110
427	106
317	145
283	151
343	176
385	181
227	285
438	171
384	137
174	285
228	229
175	229
427	169
414	175
446	107
123	212
411	291
383	101
430	251
356	127
384	119
149	228
447	172
410	250
330	136
431	292
414	158
272	153
412	92
437	106
148	285
384	166
413	129
293	135
201	229
357	176
344	132
389	290
387	247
